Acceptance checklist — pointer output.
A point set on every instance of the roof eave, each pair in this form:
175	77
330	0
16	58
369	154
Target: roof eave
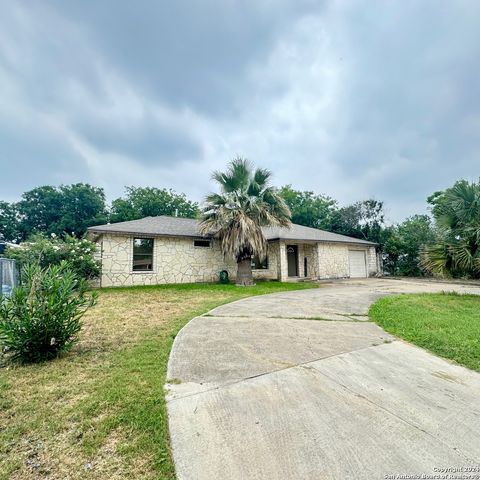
321	241
146	234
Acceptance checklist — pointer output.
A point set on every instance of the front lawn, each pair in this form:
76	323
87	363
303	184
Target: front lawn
448	324
99	412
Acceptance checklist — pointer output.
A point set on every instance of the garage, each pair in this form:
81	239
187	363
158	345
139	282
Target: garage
358	264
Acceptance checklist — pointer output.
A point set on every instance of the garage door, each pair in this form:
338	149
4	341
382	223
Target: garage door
358	267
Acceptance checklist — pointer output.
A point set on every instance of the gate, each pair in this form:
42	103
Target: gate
8	276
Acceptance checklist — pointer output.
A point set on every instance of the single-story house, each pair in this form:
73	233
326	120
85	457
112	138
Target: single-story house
158	250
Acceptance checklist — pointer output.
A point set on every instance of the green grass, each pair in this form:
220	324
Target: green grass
99	412
447	324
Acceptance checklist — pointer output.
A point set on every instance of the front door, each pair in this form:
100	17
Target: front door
292	260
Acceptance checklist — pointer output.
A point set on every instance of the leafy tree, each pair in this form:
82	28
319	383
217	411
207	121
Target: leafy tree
148	201
402	250
365	220
83	206
308	208
40	209
346	221
59	210
9	226
246	203
457	214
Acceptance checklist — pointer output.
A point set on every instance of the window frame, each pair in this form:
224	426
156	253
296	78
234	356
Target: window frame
195	240
265	262
145	254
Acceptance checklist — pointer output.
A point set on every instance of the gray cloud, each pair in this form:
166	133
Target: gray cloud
147	139
353	99
186	53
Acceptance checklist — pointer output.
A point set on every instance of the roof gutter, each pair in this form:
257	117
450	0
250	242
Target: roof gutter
145	234
363	242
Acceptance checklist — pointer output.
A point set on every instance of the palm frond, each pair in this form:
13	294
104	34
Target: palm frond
457	213
435	259
245	204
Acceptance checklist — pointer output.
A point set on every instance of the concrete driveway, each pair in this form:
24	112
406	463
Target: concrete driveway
300	385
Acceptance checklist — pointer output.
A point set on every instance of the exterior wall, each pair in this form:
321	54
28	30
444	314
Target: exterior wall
333	261
175	260
300	260
282	267
324	260
310	252
270	273
372	261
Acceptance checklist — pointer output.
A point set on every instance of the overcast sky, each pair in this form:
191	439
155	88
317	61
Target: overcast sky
353	99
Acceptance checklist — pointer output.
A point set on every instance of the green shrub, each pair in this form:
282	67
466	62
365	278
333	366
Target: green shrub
79	253
41	318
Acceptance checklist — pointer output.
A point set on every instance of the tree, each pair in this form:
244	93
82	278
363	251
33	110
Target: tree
66	209
365	220
457	215
402	250
308	208
9	227
346	221
40	209
83	207
147	201
236	215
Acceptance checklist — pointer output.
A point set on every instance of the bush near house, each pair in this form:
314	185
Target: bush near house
44	251
41	318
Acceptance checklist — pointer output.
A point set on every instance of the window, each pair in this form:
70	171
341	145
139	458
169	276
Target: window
201	243
143	254
258	264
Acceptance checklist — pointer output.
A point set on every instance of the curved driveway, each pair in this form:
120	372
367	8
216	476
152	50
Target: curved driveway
299	385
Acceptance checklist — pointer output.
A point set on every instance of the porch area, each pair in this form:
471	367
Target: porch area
298	261
304	260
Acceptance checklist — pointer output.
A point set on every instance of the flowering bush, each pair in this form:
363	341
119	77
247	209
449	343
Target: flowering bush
43	251
42	317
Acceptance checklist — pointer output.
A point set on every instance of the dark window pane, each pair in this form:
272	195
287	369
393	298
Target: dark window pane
143	254
201	243
258	264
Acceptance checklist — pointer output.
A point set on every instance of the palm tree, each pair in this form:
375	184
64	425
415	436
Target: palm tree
246	203
457	214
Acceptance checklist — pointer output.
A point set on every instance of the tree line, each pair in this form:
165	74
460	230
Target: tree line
445	243
71	209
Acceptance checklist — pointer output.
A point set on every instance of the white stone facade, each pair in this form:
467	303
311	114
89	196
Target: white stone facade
373	261
177	260
334	259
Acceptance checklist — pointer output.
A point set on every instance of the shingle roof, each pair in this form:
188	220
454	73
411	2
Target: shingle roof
162	225
300	232
188	227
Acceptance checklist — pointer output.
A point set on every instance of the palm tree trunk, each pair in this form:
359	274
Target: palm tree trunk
244	272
